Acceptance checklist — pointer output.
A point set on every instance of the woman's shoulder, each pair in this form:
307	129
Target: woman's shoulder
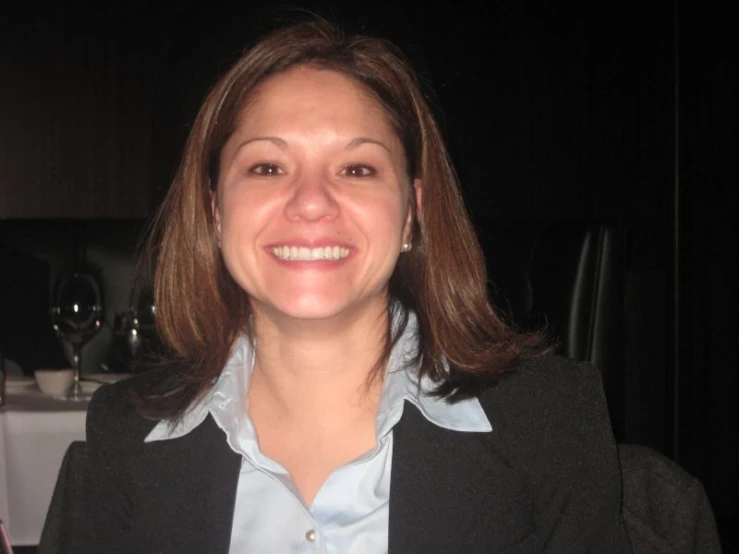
112	412
545	380
550	405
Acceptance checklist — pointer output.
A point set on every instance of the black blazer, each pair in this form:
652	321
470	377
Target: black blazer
546	479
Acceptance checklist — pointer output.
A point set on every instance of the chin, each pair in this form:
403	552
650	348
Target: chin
313	310
321	309
321	303
303	306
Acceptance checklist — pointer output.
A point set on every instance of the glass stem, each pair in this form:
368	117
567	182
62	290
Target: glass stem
76	365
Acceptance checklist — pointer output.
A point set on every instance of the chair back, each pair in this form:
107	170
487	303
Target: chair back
666	510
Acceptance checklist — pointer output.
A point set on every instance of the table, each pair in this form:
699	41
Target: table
35	432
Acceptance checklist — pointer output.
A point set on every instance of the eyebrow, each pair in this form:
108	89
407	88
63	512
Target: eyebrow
277	141
359	141
281	144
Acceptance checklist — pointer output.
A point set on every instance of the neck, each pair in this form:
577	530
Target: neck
317	372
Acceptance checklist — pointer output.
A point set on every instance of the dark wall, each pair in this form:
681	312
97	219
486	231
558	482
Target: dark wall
707	356
75	90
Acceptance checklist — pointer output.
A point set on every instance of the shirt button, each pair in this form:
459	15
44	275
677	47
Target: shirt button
310	536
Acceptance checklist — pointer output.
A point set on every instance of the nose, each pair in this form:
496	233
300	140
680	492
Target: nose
312	200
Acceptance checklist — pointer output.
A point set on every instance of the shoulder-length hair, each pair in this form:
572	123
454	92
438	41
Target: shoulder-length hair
201	310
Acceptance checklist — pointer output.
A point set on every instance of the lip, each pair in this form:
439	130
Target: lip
310	243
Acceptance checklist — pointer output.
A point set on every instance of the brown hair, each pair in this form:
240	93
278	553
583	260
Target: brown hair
201	310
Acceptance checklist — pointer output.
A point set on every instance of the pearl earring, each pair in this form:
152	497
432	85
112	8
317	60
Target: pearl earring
406	247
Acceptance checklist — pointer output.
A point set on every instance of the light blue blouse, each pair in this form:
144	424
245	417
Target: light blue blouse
350	511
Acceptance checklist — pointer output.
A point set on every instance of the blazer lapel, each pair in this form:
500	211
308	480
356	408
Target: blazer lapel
450	492
203	471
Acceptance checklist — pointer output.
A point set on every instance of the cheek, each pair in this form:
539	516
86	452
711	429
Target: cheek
382	223
238	231
385	211
241	212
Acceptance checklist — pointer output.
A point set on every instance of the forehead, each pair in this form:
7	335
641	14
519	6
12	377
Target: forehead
306	93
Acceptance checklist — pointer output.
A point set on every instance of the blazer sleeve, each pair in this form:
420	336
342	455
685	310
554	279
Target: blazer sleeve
554	419
109	442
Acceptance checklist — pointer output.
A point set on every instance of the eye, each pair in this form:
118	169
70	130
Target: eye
358	170
266	170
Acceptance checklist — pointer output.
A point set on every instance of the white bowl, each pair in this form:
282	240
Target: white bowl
54	382
105	378
89	387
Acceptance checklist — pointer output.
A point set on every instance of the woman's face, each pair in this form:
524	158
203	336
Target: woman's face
313	200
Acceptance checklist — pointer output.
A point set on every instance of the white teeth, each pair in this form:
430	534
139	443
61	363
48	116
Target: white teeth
304	254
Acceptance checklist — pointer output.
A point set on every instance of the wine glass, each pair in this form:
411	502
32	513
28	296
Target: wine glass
144	312
76	315
136	327
126	331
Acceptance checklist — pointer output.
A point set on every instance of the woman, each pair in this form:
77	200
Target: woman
339	381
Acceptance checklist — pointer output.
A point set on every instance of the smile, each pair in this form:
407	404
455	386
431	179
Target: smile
304	254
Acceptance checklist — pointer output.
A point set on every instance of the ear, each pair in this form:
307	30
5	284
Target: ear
216	214
418	199
418	189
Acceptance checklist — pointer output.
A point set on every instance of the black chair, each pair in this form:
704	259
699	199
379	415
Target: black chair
570	277
577	281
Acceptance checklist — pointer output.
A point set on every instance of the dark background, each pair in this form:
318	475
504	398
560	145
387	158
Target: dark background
557	111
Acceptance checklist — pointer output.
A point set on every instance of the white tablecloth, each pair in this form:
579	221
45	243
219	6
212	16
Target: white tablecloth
35	432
